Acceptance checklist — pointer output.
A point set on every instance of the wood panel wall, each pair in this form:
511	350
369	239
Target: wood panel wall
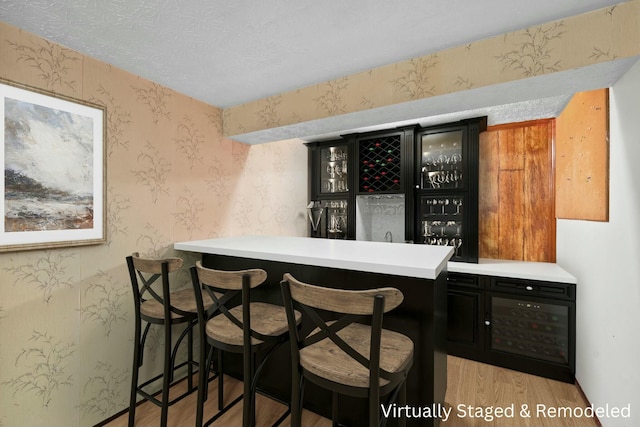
517	196
582	157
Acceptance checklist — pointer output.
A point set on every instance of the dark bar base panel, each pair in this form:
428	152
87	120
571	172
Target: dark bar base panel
422	317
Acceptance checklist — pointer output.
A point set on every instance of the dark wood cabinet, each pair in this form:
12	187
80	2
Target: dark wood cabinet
526	325
330	189
446	188
384	180
411	184
465	315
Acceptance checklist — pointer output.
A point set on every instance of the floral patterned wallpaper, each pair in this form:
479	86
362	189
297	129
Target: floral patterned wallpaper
66	315
603	35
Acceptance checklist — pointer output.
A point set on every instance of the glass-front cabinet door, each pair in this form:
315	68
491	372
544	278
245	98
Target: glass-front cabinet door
446	171
329	218
442	221
442	157
334	170
330	184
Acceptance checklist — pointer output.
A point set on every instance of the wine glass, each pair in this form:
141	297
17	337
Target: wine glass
458	203
443	203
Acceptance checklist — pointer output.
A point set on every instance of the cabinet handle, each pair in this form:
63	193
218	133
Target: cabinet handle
417	186
529	288
487	322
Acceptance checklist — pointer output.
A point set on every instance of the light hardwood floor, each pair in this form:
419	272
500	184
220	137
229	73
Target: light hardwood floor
469	383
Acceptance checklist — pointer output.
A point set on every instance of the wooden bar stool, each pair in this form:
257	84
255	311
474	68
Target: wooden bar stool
248	328
344	356
165	308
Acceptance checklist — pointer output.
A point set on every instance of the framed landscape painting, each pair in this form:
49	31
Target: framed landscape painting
54	172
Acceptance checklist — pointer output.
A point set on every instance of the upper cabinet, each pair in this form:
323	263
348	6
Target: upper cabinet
446	189
441	159
411	184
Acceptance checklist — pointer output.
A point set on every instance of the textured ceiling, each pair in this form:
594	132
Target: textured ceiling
229	52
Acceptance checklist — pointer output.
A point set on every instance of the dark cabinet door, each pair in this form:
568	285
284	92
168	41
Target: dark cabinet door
465	316
464	322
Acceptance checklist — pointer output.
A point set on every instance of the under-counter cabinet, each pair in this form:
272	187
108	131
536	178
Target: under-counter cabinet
521	324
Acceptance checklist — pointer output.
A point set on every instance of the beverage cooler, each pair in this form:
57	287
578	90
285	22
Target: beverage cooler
531	326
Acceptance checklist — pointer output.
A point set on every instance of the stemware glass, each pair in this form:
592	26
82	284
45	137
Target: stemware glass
314	211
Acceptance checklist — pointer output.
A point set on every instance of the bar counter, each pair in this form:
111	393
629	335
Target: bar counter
419	271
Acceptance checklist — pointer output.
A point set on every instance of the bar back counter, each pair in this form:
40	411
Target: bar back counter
419	271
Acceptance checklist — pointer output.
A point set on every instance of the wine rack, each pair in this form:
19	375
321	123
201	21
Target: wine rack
380	167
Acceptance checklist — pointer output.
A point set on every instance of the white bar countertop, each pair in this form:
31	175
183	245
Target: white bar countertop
544	271
399	259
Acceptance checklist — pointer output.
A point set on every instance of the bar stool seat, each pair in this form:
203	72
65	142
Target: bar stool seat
266	319
182	299
396	354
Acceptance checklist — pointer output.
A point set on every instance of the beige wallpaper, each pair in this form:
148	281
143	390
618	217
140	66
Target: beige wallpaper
66	314
600	36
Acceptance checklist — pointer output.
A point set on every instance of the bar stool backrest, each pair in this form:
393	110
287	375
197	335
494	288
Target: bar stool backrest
223	286
145	272
353	306
342	300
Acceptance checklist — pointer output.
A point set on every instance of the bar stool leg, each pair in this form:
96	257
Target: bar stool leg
190	357
402	399
247	390
297	387
220	380
205	363
166	378
134	374
334	409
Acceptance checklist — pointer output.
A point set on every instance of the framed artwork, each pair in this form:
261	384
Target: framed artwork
53	185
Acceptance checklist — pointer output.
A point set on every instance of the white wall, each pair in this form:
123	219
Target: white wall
605	257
